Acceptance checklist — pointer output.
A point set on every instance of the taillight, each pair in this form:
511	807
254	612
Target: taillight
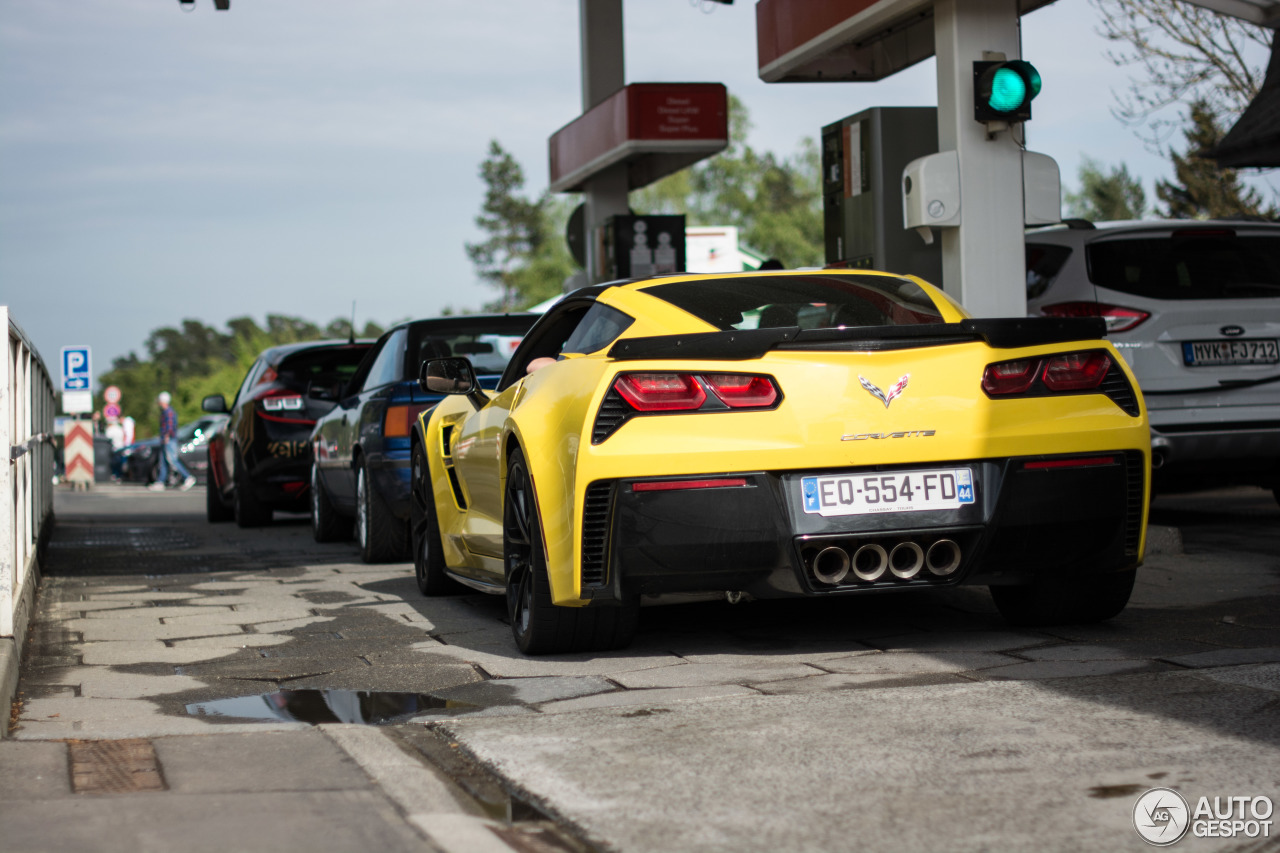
289	402
683	485
742	392
1077	371
399	420
660	392
1010	377
1118	319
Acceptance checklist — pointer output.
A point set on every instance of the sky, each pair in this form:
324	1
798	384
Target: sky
294	156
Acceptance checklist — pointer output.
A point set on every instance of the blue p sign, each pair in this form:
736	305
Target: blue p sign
76	372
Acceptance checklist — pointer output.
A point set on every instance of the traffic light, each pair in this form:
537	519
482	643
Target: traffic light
1002	91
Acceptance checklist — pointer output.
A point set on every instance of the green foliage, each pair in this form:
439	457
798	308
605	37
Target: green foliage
1106	196
776	202
524	254
195	360
1201	190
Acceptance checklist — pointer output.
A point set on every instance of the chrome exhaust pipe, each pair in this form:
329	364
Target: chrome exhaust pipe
942	558
831	565
870	562
905	560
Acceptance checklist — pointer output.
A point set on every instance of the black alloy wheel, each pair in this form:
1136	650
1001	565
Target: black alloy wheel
428	552
1065	600
538	625
327	524
248	510
379	533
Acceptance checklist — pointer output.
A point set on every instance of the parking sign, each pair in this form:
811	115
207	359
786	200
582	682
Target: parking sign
75	369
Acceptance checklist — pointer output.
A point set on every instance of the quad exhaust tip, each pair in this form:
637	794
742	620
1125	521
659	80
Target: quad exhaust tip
870	562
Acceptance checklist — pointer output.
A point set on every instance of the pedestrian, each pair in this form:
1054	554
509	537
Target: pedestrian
169	447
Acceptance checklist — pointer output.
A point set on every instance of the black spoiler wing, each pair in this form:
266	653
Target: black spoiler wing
1002	333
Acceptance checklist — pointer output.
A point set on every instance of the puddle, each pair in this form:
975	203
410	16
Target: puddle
327	706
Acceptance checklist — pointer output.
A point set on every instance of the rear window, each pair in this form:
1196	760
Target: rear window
807	301
1044	262
487	342
1207	264
323	366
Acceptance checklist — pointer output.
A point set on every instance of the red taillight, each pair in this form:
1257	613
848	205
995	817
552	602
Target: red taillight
1077	371
399	420
1117	319
1010	377
742	392
678	485
660	392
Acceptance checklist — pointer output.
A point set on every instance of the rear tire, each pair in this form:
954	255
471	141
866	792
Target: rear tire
214	509
248	510
538	625
1059	601
428	552
380	534
327	524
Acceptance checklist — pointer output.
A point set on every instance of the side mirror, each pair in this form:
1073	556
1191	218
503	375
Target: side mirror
451	376
215	403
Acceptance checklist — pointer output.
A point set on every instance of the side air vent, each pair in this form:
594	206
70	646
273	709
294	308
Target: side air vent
595	533
613	413
446	454
1116	386
1135	483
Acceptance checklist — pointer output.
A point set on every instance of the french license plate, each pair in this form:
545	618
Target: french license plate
1217	353
901	491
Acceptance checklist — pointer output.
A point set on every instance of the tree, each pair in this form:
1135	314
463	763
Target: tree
1106	196
1202	190
1184	53
518	230
775	202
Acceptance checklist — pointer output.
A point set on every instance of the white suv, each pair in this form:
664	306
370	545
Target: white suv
1194	307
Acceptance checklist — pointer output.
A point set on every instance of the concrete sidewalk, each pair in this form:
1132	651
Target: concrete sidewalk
107	755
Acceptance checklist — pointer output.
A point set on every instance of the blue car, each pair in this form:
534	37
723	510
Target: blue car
360	449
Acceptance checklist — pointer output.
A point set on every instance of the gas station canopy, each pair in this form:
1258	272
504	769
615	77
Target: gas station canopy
800	41
655	129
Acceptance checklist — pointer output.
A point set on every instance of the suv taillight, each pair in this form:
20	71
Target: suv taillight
282	403
1117	318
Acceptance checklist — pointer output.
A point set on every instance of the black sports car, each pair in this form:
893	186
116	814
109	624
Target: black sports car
260	462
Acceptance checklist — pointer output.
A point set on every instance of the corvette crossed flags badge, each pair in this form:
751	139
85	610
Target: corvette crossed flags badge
895	391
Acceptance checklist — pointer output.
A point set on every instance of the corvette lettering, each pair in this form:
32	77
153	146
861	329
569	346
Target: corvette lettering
911	433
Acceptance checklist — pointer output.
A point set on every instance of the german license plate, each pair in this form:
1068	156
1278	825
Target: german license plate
1217	353
901	491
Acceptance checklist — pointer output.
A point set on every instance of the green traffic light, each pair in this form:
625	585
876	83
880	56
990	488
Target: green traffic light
1009	90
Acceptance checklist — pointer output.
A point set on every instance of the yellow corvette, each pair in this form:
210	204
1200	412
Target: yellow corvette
781	434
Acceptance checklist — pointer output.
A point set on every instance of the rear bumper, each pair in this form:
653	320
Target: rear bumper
756	538
1222	445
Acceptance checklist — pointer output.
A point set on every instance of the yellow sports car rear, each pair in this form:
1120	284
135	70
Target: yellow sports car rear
783	434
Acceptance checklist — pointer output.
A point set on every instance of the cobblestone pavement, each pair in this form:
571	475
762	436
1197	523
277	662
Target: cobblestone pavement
151	619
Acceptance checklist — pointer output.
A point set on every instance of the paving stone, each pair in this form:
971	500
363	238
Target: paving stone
314	624
33	771
509	663
650	699
527	691
914	663
153	651
1036	670
256	762
844	681
149	612
1116	651
128	629
1263	677
1227	657
961	641
703	675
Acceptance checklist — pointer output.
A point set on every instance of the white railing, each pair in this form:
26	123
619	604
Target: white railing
27	406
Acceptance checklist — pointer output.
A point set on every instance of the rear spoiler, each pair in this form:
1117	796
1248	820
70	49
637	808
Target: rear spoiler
734	345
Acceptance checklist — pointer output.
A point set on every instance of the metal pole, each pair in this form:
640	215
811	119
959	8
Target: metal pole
603	73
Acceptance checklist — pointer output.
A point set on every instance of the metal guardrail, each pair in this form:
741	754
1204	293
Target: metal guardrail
27	405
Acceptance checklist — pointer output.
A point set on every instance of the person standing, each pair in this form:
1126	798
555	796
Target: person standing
169	447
